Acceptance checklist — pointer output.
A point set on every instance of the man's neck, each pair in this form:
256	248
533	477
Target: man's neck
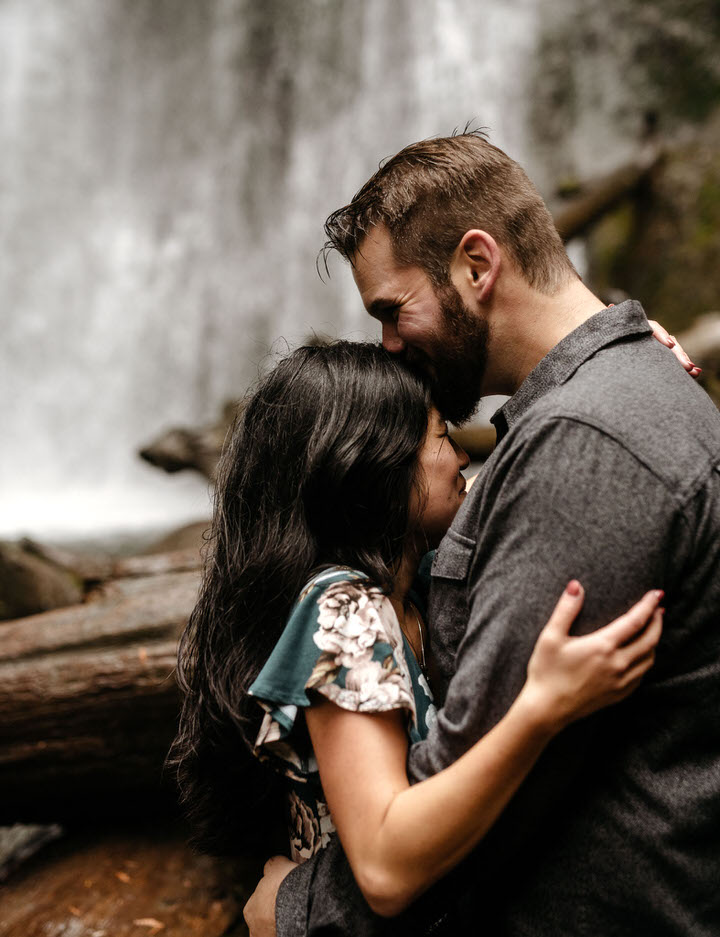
529	326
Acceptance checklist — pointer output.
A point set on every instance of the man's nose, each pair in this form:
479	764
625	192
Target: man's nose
463	457
390	338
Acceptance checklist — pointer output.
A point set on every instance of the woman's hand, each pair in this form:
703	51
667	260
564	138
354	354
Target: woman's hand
259	912
665	338
570	677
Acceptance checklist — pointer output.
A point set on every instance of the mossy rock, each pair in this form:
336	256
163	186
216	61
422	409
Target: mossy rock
664	248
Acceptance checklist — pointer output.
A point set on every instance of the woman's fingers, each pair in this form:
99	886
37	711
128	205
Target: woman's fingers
624	628
566	610
683	357
661	334
643	645
665	338
630	688
635	674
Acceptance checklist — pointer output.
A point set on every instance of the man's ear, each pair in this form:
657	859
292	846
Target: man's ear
476	263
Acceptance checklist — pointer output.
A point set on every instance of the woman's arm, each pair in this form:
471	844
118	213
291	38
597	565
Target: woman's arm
400	839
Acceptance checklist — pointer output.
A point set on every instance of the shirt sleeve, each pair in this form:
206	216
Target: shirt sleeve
570	501
343	642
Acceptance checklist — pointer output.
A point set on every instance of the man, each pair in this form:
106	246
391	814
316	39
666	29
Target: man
607	469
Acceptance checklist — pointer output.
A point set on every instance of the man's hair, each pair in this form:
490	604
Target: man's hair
430	193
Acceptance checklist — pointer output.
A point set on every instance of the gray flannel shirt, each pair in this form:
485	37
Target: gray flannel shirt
607	469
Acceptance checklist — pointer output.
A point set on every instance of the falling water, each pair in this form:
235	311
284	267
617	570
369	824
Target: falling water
166	169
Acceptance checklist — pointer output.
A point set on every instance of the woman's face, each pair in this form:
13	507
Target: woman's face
440	461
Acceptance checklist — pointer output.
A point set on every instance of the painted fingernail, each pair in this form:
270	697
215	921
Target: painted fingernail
658	593
672	340
573	587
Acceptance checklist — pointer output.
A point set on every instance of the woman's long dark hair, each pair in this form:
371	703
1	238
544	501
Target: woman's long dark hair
318	471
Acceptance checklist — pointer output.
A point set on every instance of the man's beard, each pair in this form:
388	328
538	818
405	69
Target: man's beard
457	359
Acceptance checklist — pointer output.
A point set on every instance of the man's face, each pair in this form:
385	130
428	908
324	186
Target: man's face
431	327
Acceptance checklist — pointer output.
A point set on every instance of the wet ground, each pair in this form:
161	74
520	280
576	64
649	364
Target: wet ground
132	882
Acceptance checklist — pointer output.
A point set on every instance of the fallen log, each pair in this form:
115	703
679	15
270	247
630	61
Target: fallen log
89	703
596	197
182	538
86	567
191	448
35	577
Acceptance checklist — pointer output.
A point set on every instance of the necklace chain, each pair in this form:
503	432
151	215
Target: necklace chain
422	661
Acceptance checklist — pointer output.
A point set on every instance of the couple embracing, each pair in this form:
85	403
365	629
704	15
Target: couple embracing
395	647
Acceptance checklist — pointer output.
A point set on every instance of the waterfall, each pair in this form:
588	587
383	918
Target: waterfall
167	167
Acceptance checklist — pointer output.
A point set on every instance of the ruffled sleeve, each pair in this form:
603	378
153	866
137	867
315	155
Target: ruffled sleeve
362	664
343	641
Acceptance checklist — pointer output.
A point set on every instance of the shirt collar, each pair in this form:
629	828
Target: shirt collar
563	360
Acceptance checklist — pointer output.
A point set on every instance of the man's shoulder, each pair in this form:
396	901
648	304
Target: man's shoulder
636	396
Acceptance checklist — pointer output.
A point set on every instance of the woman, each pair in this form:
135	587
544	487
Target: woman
308	638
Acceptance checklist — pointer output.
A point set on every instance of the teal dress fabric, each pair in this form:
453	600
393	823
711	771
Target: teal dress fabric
343	641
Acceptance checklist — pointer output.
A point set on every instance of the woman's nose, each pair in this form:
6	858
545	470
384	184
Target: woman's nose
390	338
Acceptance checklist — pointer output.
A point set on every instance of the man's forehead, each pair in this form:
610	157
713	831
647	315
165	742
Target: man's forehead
374	258
377	274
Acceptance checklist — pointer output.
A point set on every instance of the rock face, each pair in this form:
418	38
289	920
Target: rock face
608	76
607	70
21	841
664	248
32	583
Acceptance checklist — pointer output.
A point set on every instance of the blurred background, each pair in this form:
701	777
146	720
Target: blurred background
167	166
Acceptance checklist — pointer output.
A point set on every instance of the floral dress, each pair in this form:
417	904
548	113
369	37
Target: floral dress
342	640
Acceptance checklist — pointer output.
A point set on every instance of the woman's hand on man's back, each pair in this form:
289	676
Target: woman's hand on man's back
259	912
